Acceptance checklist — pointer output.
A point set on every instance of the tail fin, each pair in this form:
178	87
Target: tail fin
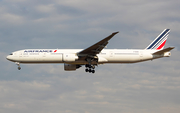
160	41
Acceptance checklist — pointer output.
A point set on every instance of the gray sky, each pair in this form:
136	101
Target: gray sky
152	86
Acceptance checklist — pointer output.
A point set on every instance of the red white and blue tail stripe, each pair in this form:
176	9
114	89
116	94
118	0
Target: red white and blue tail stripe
160	41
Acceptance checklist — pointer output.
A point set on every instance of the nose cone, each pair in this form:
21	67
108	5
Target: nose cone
9	57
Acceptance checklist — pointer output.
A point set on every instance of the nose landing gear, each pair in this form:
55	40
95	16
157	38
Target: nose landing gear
18	64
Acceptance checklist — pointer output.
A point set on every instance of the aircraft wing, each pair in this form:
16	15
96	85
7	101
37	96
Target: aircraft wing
96	48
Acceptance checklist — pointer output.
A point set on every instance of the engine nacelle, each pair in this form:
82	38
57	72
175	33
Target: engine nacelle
167	54
69	57
71	67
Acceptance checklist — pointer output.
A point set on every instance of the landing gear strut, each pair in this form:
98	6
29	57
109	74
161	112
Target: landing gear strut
18	64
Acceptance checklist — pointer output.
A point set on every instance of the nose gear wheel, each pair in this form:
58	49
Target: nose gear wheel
18	64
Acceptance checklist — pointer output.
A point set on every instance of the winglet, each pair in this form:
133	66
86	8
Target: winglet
115	32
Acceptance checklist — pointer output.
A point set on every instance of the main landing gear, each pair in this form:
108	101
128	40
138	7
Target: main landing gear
90	68
18	64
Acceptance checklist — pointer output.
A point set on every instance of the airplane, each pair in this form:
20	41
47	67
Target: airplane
93	55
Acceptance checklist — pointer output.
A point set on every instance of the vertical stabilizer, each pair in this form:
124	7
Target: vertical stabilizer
160	41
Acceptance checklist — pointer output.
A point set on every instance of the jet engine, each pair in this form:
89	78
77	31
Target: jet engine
167	54
71	67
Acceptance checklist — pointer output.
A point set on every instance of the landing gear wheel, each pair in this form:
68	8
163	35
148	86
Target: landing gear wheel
93	71
86	70
19	68
91	67
90	70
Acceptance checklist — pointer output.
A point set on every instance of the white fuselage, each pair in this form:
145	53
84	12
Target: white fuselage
63	56
93	55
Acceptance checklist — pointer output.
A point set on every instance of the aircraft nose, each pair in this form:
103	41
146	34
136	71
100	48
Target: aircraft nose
8	57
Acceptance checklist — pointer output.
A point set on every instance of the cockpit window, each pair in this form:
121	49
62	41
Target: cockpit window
11	54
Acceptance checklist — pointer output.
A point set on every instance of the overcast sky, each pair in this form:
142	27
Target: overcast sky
147	87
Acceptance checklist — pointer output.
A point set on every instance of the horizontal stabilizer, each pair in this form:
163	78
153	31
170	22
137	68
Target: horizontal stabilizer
163	51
